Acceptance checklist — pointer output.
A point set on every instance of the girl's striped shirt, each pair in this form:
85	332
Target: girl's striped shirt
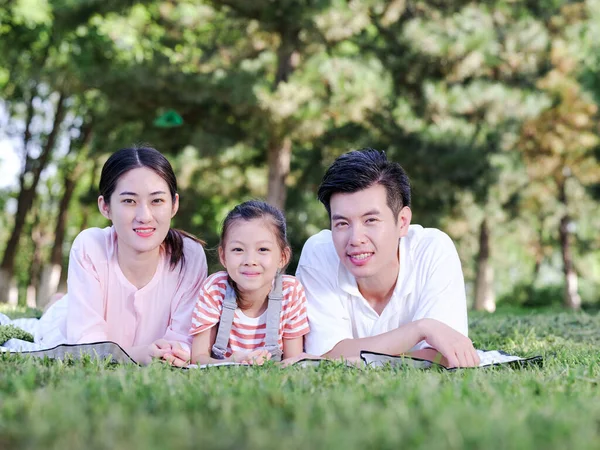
248	333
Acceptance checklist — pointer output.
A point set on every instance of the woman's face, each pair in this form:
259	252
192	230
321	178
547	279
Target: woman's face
140	209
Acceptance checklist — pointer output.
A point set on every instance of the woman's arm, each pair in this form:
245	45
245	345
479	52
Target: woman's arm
192	278
85	313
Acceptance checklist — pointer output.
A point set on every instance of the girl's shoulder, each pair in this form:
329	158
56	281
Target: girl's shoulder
290	283
216	280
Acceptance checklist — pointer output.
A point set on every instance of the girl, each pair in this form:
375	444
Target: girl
251	312
134	283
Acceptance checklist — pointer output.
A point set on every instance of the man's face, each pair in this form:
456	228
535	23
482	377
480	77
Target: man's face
366	233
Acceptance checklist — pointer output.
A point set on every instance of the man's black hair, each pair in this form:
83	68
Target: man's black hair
360	169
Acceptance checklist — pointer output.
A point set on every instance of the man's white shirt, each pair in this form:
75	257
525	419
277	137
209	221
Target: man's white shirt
430	285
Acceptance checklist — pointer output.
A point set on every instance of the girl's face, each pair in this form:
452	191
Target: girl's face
140	209
251	255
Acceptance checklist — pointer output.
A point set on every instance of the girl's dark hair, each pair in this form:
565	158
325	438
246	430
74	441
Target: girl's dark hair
255	209
126	159
361	169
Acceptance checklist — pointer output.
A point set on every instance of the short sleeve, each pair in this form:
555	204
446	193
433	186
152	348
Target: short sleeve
295	320
193	276
443	295
328	319
209	306
85	312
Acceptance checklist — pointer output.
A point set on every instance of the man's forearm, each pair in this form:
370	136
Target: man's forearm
394	342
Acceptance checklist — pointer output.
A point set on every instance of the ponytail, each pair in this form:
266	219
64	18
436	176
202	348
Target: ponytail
174	246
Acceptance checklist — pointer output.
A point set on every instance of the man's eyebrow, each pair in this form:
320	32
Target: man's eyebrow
372	212
158	193
338	217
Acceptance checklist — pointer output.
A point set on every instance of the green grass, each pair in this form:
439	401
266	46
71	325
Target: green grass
87	404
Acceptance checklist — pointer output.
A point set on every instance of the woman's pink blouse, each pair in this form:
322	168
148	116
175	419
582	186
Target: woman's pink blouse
104	306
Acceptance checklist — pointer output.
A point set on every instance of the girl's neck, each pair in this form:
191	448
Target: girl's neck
254	303
138	268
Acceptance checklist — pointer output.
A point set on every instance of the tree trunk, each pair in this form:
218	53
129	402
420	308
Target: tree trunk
8	286
51	273
27	195
279	157
485	299
572	298
38	238
280	145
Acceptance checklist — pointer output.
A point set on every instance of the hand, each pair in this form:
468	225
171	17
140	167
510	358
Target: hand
294	359
171	352
255	357
456	348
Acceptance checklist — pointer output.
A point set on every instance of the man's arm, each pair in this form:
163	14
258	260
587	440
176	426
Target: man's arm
455	347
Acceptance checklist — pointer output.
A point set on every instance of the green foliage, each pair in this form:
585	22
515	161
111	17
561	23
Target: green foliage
11	332
95	405
463	94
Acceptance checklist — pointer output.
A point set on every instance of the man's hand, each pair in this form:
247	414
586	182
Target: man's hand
456	348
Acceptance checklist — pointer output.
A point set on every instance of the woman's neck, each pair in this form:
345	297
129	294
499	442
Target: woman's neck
138	268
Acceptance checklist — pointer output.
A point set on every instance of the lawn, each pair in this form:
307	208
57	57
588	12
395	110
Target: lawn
87	404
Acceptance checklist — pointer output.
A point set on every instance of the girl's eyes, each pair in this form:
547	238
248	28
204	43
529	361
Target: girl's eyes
236	249
264	249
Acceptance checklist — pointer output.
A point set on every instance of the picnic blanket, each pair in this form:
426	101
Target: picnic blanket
105	350
96	350
487	358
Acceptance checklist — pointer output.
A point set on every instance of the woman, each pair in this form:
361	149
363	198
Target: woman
134	283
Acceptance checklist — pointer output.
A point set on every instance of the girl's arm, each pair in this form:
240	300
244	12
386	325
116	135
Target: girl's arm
292	347
202	347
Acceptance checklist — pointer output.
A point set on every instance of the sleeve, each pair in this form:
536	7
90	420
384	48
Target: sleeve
85	312
181	311
443	295
207	312
328	319
295	322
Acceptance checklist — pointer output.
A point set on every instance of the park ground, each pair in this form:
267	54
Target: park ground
97	405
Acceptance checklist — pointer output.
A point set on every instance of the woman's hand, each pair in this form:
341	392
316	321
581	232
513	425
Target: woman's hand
255	357
170	351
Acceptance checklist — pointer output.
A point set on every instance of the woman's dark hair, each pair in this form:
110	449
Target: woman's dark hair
126	159
250	210
361	169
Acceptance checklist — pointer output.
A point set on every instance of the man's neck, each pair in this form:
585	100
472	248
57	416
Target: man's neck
378	290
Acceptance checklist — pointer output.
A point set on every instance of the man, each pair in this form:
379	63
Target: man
375	282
